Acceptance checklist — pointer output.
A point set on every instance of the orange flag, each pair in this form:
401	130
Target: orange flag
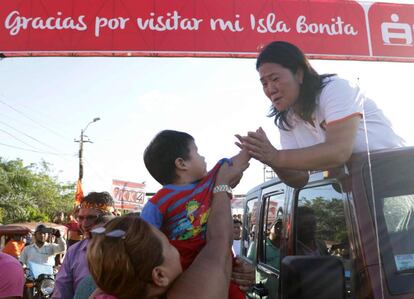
79	193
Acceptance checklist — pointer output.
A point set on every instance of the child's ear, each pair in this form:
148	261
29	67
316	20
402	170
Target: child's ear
159	277
180	164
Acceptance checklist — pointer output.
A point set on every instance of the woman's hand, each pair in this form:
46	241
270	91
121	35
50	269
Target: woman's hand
259	147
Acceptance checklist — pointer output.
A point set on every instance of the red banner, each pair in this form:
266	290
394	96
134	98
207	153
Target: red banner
128	195
78	193
322	28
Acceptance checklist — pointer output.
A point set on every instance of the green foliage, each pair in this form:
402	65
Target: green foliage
330	218
32	193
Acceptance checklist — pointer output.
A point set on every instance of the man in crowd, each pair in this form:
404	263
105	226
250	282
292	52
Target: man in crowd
237	228
42	252
14	246
95	209
11	277
74	233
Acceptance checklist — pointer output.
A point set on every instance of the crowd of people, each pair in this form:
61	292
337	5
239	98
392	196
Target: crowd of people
185	242
81	277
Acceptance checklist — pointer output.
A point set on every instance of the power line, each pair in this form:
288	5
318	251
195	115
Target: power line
18	139
36	122
31	137
40	113
34	151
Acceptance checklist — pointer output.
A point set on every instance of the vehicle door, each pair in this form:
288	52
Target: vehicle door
320	226
265	250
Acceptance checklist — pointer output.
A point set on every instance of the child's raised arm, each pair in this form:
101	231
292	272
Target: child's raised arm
240	159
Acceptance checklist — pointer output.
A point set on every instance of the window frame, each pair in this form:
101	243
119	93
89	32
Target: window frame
263	220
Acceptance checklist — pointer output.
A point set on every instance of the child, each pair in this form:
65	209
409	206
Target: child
180	209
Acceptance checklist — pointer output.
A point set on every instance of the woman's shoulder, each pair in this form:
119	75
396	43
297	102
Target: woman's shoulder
332	80
336	87
337	82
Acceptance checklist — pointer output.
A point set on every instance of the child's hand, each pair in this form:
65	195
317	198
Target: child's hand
230	175
258	146
243	156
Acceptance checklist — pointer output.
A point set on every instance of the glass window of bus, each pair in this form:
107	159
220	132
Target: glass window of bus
250	228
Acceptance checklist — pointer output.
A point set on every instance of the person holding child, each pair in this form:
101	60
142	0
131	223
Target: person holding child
322	119
143	264
181	208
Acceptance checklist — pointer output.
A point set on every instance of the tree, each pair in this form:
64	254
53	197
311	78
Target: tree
331	218
32	193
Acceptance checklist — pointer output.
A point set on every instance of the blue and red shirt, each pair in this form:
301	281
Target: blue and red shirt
181	212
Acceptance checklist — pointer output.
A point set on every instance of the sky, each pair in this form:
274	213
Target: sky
45	102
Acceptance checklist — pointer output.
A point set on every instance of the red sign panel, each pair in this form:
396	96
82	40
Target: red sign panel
322	28
392	30
128	195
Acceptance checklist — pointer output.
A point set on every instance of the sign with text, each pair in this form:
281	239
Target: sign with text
128	195
233	28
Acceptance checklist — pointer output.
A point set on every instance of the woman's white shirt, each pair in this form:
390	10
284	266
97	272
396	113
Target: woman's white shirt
338	100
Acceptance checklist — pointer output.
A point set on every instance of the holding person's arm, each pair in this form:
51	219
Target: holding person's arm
144	264
209	274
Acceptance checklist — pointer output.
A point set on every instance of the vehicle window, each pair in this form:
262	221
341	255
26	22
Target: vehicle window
398	214
267	250
320	224
391	180
272	227
250	228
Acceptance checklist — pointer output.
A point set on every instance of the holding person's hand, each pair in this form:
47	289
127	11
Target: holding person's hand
258	146
243	274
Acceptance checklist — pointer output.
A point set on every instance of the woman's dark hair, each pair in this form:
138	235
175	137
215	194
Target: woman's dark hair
291	57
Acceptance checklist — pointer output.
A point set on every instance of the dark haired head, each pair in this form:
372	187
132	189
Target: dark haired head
291	57
122	266
161	153
306	224
101	201
237	221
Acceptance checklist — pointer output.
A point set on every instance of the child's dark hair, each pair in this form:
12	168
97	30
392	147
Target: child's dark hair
161	153
291	57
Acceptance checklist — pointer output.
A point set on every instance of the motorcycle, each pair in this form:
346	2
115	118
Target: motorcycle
40	281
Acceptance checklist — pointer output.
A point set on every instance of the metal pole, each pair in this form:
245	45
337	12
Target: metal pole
81	156
81	141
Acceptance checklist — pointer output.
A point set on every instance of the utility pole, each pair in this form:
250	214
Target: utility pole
81	142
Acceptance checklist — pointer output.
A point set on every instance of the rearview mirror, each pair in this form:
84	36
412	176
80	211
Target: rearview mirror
308	277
